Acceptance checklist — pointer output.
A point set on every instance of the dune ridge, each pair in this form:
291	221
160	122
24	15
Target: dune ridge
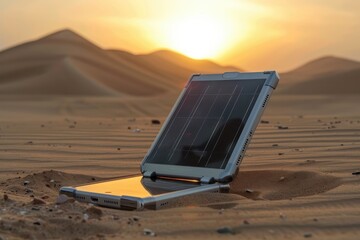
65	63
326	75
88	70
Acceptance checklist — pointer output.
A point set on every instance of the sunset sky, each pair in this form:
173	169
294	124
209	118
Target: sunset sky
253	35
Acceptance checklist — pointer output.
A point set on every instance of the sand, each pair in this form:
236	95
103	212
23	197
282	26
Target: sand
293	183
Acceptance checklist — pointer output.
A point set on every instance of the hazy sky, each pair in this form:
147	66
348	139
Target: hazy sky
254	35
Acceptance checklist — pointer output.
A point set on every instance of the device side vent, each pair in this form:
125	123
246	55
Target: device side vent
238	161
128	204
265	101
245	145
80	197
112	202
164	204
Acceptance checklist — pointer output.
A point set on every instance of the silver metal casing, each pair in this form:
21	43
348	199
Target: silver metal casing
154	202
215	174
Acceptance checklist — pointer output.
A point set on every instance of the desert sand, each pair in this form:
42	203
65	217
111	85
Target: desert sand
298	179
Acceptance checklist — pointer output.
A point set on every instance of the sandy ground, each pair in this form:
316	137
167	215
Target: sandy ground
300	178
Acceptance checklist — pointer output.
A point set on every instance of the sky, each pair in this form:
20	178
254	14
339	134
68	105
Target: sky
253	35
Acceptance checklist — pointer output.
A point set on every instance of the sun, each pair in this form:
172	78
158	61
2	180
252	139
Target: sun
199	36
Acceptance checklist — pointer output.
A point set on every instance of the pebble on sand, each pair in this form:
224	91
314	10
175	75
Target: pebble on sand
6	197
249	190
149	232
94	212
246	222
225	230
62	198
155	121
38	201
283	127
282	179
85	217
356	173
264	122
26	183
307	235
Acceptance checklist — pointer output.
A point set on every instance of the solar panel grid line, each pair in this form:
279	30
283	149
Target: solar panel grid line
183	129
187	123
245	117
232	109
206	117
213	94
222	113
172	122
214	118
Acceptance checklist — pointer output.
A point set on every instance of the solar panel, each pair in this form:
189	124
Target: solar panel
207	123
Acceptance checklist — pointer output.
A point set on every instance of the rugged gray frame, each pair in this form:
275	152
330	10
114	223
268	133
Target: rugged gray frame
135	203
213	174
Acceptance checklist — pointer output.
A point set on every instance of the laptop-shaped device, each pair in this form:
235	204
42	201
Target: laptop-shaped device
199	147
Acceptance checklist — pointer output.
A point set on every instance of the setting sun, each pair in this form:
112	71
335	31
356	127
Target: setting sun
199	36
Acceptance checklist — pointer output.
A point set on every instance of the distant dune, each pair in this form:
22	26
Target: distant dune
327	75
64	63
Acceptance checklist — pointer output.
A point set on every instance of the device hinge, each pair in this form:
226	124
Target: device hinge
149	174
272	80
207	180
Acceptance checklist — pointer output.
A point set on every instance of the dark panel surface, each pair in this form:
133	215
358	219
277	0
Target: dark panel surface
207	123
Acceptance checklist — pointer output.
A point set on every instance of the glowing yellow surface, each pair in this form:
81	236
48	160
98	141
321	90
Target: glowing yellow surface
127	186
199	36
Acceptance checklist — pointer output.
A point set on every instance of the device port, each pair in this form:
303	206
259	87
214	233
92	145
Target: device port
94	199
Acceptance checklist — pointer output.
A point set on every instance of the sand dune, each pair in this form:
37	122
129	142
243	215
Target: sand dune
327	75
172	69
64	63
341	82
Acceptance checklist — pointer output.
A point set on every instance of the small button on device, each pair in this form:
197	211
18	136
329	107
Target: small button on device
230	75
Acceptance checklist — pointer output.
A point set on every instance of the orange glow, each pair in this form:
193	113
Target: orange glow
180	179
130	186
253	35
